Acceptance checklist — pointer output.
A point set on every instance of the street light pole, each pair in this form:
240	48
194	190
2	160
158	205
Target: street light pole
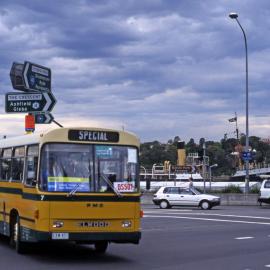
210	174
204	167
235	16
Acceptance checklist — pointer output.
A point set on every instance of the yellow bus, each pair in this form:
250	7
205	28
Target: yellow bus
70	184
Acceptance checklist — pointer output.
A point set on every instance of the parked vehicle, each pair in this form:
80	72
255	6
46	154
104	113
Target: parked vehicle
169	196
264	196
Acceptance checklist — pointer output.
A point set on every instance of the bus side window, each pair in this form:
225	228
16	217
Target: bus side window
17	164
1	158
6	165
31	165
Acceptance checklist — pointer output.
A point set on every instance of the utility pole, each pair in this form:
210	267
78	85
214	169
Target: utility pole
234	16
204	167
236	128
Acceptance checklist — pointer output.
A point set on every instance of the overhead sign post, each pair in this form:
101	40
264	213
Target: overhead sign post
37	100
43	118
29	102
36	77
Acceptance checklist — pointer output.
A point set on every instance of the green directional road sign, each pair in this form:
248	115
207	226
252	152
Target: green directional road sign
36	77
43	118
247	156
29	102
30	77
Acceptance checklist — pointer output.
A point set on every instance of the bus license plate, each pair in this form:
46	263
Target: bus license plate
60	236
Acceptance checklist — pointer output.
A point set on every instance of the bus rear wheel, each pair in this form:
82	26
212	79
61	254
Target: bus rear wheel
101	247
15	236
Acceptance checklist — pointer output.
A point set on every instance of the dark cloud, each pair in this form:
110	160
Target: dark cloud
154	66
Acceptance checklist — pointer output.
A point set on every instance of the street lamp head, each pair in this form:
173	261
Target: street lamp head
233	15
214	165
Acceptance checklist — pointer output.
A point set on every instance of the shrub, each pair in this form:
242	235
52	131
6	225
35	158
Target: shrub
254	190
232	189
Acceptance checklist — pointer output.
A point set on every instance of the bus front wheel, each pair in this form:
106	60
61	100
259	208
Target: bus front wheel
101	247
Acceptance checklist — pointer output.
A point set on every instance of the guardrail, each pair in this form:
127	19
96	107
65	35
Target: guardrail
213	186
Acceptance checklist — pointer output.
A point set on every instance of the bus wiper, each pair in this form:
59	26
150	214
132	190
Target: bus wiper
107	180
73	191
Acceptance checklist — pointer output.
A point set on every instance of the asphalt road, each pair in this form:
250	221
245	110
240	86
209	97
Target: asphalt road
178	238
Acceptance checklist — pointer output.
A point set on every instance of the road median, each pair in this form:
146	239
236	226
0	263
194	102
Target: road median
226	198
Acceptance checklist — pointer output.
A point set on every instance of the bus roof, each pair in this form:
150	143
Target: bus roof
19	140
61	135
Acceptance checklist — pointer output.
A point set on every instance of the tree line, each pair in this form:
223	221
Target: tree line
221	153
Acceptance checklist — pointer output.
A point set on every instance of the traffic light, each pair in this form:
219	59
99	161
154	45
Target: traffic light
200	154
29	123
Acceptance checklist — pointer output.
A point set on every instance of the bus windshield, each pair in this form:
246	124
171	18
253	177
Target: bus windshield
88	168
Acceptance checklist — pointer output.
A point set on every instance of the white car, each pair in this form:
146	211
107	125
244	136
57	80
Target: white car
169	196
264	196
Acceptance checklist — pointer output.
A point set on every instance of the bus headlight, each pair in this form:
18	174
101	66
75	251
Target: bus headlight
58	224
126	224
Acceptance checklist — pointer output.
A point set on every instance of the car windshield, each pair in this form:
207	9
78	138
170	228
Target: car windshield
196	191
88	168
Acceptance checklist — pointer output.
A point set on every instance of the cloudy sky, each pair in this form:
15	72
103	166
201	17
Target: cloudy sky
158	68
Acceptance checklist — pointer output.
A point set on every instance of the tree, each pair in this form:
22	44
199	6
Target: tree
201	142
176	139
191	146
218	152
217	155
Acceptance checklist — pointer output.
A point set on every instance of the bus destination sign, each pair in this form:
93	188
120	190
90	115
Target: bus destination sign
93	136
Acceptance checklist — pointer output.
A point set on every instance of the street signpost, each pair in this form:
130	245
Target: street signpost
29	102
30	77
35	81
43	118
36	77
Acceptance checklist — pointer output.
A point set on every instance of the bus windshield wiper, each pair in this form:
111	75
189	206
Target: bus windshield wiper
73	191
107	180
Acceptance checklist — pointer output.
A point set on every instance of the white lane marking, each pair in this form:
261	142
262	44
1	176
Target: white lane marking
267	265
170	211
219	215
209	219
243	238
152	230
